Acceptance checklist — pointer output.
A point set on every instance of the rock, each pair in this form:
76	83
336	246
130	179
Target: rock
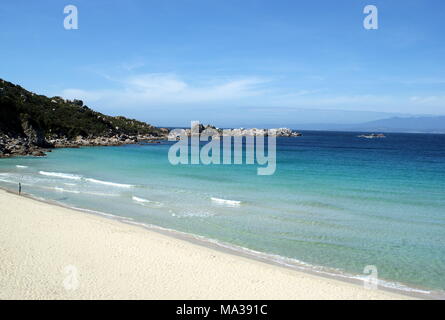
3	150
27	145
38	153
33	133
280	132
19	150
372	136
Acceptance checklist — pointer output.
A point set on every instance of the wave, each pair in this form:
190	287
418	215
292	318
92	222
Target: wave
230	203
140	200
319	205
64	190
7	181
21	167
143	201
79	177
101	194
192	214
61	175
113	184
59	189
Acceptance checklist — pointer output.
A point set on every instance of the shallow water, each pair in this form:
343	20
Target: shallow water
335	200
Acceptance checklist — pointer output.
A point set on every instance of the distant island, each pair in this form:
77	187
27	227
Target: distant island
372	136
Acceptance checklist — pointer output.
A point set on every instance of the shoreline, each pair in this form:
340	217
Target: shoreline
237	254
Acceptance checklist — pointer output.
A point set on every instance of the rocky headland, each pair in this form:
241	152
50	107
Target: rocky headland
32	124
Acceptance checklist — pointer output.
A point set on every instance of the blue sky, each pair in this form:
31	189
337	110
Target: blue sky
231	62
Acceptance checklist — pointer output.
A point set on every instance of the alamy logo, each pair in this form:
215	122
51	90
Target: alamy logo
71	281
371	21
372	280
71	21
225	147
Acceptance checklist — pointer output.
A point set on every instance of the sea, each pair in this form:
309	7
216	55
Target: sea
338	204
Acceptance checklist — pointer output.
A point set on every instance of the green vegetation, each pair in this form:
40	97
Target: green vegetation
57	117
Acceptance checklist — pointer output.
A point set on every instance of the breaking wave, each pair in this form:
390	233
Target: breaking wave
230	203
146	201
107	183
58	189
61	175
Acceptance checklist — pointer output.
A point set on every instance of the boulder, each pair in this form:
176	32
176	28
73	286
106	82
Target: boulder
34	134
38	153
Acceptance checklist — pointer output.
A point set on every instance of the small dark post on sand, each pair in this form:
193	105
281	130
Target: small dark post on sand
20	188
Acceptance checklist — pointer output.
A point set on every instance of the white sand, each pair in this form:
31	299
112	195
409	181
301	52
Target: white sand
113	260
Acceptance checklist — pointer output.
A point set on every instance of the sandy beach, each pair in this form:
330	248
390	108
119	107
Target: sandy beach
51	252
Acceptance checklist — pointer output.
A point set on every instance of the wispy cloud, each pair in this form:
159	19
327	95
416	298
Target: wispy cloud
130	66
161	89
143	91
438	101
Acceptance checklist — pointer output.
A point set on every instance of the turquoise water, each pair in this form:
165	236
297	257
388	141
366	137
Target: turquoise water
335	200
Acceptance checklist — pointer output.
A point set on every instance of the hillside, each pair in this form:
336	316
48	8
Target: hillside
37	121
413	124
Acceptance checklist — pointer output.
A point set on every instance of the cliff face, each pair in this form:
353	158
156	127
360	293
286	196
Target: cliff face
29	122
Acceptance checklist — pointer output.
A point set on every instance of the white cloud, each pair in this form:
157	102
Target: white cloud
143	91
161	89
429	100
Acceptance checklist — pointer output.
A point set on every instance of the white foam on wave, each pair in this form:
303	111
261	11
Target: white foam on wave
101	194
20	177
230	203
61	175
65	190
140	200
59	189
107	183
191	213
71	176
7	181
21	167
146	201
10	178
